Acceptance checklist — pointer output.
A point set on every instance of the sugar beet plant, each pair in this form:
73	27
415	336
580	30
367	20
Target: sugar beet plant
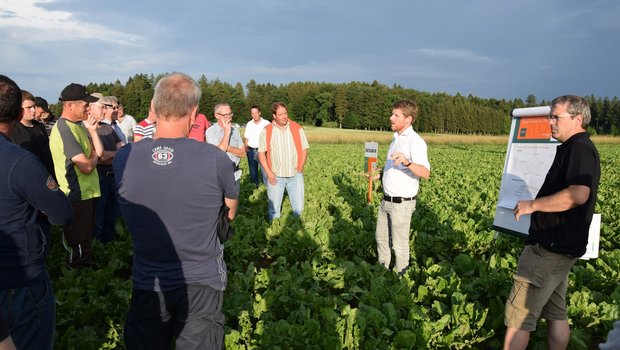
313	283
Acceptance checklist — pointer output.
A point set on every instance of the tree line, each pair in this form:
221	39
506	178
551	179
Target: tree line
354	105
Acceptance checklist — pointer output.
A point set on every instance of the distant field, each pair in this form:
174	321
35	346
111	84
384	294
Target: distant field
331	135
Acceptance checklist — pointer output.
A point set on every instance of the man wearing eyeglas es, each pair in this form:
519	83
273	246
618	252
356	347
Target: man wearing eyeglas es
226	136
558	234
107	206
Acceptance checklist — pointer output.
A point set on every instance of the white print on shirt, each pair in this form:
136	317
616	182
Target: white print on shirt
162	155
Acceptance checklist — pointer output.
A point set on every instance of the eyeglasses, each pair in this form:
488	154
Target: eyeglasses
225	115
110	107
555	117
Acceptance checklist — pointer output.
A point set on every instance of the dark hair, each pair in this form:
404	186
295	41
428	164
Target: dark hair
275	105
255	106
10	100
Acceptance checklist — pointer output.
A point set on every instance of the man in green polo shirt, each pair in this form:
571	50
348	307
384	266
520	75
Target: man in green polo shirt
75	148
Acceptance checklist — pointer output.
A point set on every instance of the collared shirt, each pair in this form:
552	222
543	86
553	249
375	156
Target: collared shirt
215	134
283	152
253	130
126	126
398	180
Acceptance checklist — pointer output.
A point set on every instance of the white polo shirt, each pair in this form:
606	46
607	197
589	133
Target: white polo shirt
398	180
252	131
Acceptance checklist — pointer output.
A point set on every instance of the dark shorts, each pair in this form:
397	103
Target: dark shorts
190	315
539	288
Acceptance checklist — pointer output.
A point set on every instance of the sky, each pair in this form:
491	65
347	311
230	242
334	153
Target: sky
487	48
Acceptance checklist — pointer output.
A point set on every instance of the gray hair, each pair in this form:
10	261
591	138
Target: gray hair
175	96
217	106
576	105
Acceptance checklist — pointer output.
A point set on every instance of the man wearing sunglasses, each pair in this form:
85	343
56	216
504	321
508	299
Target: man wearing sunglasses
558	234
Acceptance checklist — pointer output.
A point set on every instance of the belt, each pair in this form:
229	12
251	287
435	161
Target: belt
398	199
253	148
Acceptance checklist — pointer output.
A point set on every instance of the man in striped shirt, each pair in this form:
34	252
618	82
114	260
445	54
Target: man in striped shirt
145	128
282	152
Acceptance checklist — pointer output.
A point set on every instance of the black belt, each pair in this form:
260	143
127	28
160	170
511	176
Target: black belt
398	199
253	148
108	173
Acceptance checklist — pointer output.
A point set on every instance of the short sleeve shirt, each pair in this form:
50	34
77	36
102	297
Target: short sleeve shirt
283	151
215	134
398	180
170	192
67	140
576	162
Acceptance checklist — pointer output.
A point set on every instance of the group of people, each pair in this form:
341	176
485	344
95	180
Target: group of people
171	186
169	176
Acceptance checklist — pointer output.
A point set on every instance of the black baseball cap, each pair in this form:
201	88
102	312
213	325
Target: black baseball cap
76	92
41	102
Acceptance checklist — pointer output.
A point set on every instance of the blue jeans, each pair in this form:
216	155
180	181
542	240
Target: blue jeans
254	166
107	209
31	314
294	187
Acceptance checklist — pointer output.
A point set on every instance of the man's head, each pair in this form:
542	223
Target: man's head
42	110
404	113
279	112
10	103
255	112
75	102
121	112
223	113
176	96
569	115
110	107
28	105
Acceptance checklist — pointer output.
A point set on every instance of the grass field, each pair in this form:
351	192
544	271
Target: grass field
338	136
314	282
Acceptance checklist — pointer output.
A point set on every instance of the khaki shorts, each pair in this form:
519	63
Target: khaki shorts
539	288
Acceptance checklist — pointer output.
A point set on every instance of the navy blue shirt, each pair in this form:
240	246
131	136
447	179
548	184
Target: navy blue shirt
170	192
26	187
576	162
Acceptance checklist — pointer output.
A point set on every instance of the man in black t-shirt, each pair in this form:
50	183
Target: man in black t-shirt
170	191
558	234
31	134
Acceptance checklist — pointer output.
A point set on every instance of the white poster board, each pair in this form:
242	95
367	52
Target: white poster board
529	155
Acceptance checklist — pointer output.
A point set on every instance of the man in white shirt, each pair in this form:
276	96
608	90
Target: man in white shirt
126	123
407	162
252	135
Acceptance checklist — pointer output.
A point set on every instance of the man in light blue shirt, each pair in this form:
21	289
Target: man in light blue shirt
226	137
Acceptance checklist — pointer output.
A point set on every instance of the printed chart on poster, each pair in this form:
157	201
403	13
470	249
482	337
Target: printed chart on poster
529	155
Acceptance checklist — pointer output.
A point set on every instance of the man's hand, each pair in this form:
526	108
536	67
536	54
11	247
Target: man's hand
271	177
523	208
227	125
400	158
91	123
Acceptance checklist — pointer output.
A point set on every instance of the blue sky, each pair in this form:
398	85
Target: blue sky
501	49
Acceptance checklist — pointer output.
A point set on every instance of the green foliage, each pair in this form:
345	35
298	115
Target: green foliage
313	283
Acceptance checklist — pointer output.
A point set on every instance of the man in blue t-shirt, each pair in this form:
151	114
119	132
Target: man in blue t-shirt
170	190
30	200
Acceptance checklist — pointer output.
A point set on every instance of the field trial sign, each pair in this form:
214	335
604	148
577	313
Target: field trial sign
371	151
530	153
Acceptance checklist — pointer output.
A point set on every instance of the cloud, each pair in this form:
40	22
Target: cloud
307	71
26	19
453	54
